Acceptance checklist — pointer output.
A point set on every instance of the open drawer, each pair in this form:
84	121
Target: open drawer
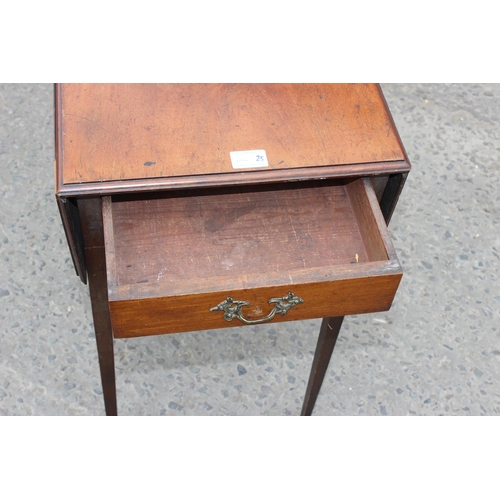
202	259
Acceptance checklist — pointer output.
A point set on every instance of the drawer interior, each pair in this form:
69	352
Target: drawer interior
201	241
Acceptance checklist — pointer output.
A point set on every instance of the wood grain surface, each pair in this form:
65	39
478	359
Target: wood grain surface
113	132
206	235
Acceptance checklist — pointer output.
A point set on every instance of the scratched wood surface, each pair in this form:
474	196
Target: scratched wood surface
114	132
210	235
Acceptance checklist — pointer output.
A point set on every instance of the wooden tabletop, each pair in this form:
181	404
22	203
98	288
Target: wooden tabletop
109	133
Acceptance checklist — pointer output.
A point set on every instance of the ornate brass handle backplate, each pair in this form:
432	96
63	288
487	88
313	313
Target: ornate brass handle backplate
232	308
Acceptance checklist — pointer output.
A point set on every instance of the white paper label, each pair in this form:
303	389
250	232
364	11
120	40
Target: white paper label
249	159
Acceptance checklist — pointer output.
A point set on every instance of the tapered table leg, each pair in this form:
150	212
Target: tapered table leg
102	326
330	328
95	257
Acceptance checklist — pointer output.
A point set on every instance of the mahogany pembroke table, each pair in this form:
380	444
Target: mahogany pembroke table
200	206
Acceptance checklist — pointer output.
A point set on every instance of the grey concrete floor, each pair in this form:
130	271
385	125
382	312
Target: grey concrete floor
436	352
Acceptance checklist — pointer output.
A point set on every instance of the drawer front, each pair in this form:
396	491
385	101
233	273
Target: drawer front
161	315
230	259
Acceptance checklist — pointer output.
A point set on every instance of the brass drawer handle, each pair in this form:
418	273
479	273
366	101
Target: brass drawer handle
232	308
